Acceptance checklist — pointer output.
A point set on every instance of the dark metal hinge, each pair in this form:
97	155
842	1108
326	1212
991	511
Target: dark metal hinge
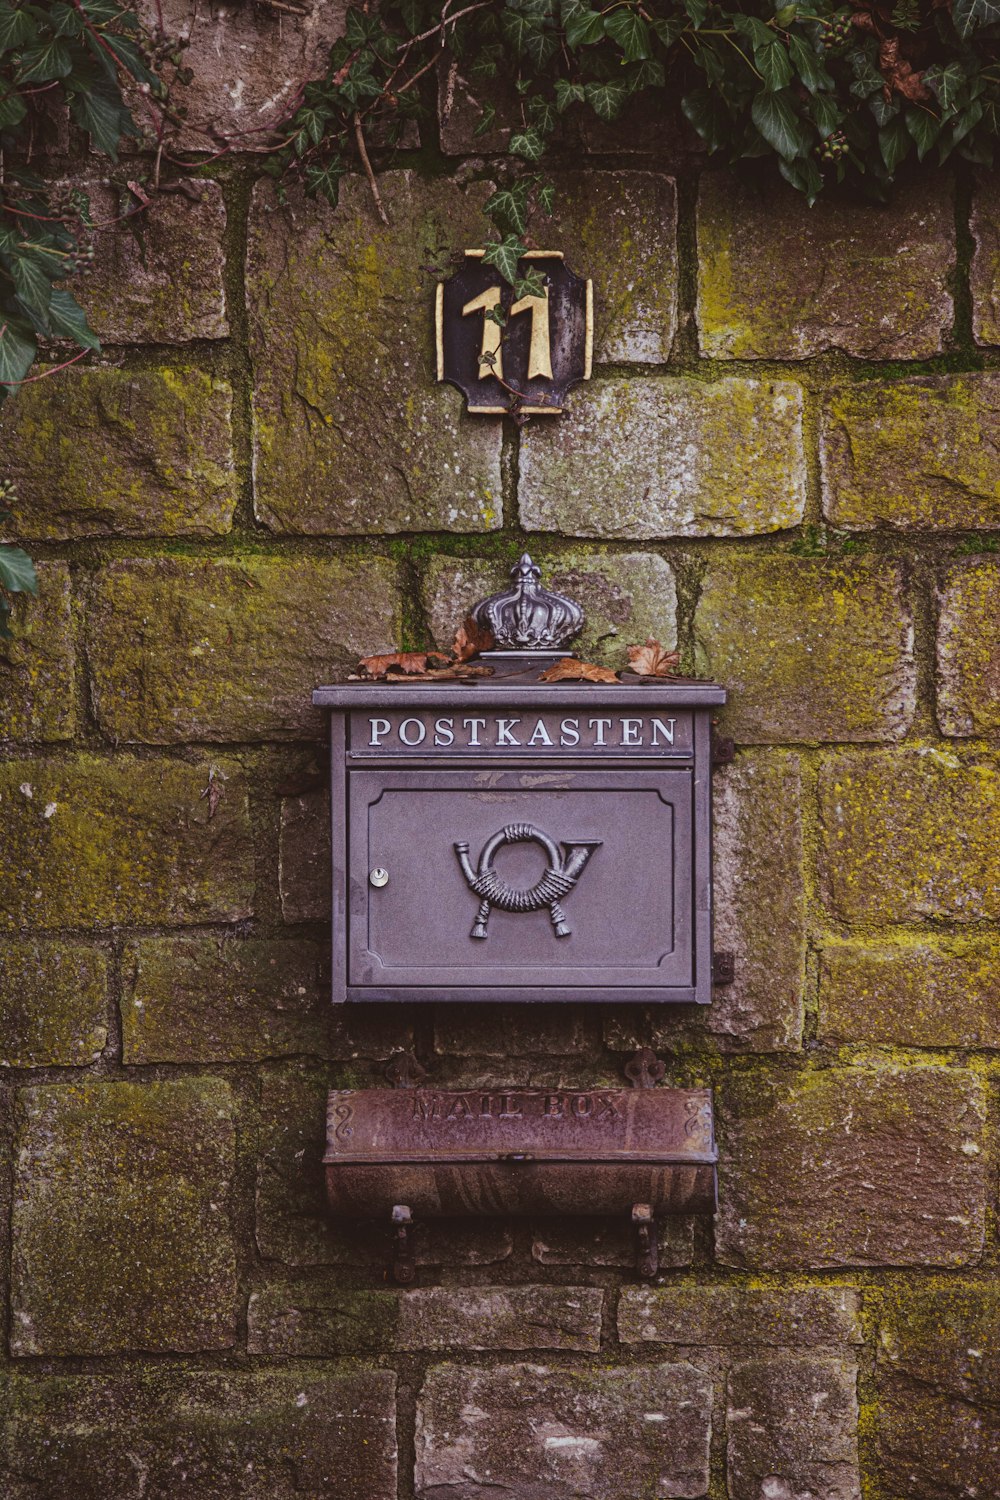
723	750
403	1267
647	1252
723	967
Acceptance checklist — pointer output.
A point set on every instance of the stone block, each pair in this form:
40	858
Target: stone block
984	273
910	835
792	1428
968	648
219	649
490	1031
92	842
915	454
54	1004
293	1222
121	1232
760	917
37	664
248	64
608	1242
229	999
352	432
937	1423
809	649
104	452
315	1318
626	596
304	858
860	1167
869	280
158	277
562	1434
461	110
658	457
312	1433
737	1317
917	992
620	230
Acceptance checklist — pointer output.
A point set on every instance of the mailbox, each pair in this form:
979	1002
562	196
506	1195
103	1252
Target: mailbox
499	837
505	839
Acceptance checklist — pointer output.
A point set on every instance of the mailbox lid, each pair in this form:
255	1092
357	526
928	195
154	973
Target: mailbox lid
628	918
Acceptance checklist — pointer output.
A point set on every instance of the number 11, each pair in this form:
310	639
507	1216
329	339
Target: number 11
491	349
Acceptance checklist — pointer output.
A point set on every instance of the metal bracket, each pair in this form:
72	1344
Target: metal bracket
723	750
723	967
647	1255
403	1268
404	1072
644	1070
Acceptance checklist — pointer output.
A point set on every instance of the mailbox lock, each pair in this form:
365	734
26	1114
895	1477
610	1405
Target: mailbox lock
378	876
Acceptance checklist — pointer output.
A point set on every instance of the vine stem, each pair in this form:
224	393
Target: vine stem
445	21
359	136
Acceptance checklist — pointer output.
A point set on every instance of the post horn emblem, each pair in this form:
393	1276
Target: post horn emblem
559	879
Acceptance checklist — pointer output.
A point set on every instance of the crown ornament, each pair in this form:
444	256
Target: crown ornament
528	617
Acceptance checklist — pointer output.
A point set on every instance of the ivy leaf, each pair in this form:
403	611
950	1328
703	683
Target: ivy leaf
894	142
582	26
547	198
507	208
630	31
947	83
808	65
527	144
12	109
65	21
711	119
697	10
606	99
530	285
51	59
968	14
668	29
360	29
924	128
568	93
33	286
648	74
804	175
486	122
505	254
68	319
16	27
774	116
17	350
324	181
96	107
17	571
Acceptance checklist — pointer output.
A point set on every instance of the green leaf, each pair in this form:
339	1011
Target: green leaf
32	284
360	29
16	27
582	26
542	114
808	65
669	28
532	284
948	84
324	181
894	142
547	198
706	111
12	109
968	14
924	128
774	116
17	350
505	254
508	210
17	571
826	113
697	10
68	320
568	93
606	99
648	74
51	59
486	122
629	30
97	108
66	21
528	144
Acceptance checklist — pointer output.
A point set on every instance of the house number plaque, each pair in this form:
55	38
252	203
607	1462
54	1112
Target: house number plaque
509	353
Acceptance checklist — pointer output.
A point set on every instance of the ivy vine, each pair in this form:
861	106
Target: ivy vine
826	93
57	57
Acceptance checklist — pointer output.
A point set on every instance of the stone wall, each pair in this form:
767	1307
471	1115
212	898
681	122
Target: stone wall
788	463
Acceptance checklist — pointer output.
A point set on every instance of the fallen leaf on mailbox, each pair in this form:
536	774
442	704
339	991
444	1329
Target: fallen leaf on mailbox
567	669
470	639
405	662
652	660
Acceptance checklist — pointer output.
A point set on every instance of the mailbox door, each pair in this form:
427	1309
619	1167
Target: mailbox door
510	884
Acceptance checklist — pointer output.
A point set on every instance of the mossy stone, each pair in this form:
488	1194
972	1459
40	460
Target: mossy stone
37	665
968	648
122	1237
53	1003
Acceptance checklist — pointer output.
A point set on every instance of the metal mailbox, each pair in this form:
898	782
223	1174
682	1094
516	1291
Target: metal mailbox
499	837
506	839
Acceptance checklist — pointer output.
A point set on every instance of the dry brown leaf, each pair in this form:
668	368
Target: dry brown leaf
652	659
407	663
470	639
568	669
899	75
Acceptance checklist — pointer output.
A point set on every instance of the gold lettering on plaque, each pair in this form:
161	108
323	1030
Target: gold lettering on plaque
540	350
490	353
